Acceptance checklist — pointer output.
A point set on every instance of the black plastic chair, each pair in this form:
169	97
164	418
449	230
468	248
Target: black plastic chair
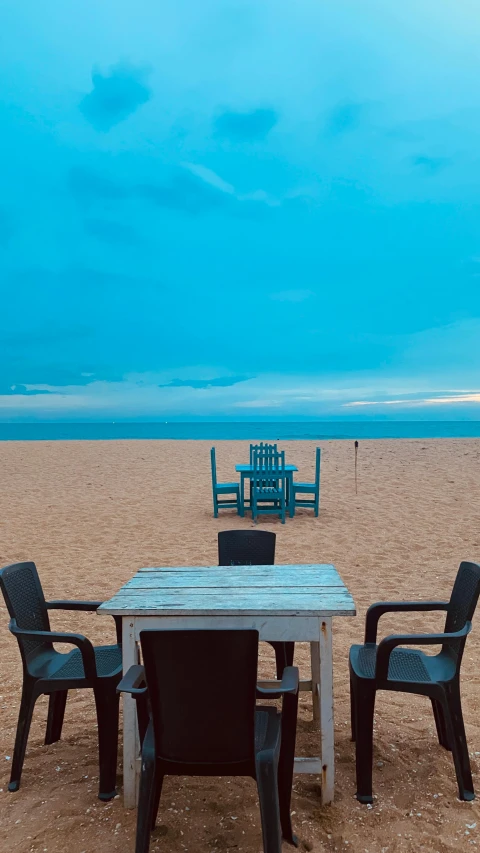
46	671
254	548
202	720
386	667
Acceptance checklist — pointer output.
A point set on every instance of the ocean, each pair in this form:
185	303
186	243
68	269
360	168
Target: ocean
224	431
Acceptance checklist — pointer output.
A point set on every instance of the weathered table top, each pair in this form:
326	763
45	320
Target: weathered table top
280	590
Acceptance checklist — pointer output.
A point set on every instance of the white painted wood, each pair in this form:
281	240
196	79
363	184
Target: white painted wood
326	711
131	744
278	628
269	599
315	667
308	765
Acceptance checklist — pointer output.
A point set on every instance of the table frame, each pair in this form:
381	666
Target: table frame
293	603
246	471
316	630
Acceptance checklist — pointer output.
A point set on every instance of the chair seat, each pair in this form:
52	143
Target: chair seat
227	487
304	487
108	660
404	664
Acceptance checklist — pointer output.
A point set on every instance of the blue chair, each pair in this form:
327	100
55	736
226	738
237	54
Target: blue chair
268	484
309	489
223	489
263	448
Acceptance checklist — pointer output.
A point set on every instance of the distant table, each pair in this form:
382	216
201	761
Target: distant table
290	603
246	472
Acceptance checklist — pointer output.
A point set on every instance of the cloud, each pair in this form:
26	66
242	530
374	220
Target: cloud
191	188
292	295
409	402
430	165
111	232
246	127
115	96
22	390
343	119
221	382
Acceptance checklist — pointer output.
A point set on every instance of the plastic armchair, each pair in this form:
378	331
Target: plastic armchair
209	725
390	666
47	671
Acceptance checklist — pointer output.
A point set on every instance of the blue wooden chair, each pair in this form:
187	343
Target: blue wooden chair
268	484
263	448
223	489
309	489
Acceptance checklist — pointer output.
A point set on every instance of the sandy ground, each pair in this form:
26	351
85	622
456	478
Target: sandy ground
91	513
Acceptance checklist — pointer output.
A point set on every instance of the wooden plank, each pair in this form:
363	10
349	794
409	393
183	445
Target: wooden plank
235	577
130	731
281	568
326	712
308	765
269	627
233	601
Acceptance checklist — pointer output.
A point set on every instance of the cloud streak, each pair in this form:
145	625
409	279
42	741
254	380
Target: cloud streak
114	96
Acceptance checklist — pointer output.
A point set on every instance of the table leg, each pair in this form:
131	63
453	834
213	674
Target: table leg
315	666
291	507
131	743
242	494
326	710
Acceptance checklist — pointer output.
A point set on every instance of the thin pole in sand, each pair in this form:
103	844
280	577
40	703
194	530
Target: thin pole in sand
356	454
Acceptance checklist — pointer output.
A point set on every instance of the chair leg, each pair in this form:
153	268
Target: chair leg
285	766
56	712
440	724
267	784
458	741
156	797
283	656
215	506
146	795
353	710
27	704
107	704
364	712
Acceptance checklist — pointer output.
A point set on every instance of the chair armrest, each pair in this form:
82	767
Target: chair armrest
133	680
375	611
86	649
290	684
387	645
87	607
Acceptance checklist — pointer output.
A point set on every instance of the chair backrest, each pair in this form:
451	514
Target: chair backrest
202	686
317	466
246	548
268	468
461	608
25	602
263	448
213	463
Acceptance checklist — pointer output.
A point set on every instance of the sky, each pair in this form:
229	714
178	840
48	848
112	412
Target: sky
239	209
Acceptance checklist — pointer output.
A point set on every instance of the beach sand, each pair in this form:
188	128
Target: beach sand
91	513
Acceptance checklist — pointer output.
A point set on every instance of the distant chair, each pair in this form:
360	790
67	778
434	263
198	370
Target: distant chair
268	484
223	489
386	667
309	489
263	449
254	548
198	717
46	671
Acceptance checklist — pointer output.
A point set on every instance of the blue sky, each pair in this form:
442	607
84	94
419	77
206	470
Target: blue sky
239	208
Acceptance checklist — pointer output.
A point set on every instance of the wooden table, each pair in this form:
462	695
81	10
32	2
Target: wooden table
289	602
246	472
